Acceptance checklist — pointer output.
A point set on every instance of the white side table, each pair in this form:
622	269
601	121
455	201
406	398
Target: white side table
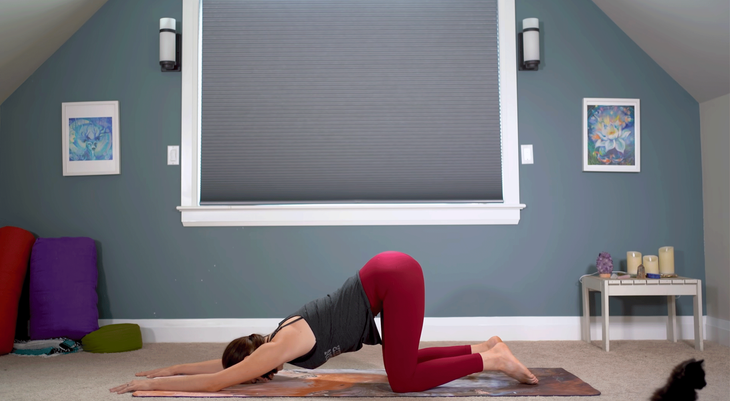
669	287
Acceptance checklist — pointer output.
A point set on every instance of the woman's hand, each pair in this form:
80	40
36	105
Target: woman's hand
161	372
134	385
262	379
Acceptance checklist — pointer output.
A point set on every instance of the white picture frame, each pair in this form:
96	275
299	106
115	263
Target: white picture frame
611	135
90	137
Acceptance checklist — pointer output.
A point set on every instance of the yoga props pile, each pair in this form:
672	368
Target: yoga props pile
62	290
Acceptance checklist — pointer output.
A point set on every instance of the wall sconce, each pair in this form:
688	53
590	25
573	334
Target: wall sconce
170	45
529	45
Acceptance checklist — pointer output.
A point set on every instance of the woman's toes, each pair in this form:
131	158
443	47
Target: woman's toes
493	341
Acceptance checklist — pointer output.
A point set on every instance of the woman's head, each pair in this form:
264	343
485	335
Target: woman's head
242	347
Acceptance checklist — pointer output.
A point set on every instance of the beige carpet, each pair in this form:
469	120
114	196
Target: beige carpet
631	371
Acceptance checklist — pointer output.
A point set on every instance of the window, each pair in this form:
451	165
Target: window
432	212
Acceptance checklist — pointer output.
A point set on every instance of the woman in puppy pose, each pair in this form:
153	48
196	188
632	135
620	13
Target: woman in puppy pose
391	283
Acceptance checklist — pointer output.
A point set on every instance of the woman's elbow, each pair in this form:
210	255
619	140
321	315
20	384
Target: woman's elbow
211	388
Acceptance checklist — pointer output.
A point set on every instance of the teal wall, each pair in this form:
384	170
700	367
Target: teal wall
152	267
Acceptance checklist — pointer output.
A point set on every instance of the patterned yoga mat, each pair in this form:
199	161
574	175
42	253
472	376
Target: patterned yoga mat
373	383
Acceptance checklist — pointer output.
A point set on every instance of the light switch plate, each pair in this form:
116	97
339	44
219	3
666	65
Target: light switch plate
527	156
173	155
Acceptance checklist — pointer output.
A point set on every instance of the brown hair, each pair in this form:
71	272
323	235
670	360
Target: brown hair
242	347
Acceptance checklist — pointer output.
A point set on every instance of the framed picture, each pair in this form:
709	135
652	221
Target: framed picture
611	135
90	138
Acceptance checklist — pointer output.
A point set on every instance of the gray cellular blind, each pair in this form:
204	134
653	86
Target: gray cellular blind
350	101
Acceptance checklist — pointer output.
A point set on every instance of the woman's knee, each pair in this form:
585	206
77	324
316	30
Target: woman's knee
403	385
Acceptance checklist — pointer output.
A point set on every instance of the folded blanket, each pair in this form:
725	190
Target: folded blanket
46	348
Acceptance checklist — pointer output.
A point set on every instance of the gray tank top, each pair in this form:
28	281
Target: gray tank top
341	322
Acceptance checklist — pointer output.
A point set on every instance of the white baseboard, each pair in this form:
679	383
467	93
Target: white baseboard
718	330
467	329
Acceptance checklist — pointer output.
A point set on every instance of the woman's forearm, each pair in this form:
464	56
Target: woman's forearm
212	366
198	382
201	382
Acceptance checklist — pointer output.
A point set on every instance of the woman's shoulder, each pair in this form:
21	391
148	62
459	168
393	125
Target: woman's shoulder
295	334
295	325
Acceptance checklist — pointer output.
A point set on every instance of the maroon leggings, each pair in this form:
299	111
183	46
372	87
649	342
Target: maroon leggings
393	282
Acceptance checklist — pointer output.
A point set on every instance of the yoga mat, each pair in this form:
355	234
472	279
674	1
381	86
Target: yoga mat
374	383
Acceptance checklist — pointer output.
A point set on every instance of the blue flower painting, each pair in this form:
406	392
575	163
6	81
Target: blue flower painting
90	138
611	135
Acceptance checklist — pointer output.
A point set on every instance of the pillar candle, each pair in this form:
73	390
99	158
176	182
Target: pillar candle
666	260
633	260
651	264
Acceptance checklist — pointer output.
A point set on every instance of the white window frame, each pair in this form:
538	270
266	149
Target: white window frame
195	215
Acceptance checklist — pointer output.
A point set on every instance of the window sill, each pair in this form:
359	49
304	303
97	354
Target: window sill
351	215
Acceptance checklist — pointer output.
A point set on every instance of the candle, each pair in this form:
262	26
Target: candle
666	260
651	264
633	260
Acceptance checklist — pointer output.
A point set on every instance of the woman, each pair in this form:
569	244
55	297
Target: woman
391	283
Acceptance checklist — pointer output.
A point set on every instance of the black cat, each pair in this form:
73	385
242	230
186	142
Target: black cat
686	378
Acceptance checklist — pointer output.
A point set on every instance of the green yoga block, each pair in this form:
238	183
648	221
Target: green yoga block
120	337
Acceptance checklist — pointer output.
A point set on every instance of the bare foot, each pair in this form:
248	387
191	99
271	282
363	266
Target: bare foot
485	346
492	342
500	358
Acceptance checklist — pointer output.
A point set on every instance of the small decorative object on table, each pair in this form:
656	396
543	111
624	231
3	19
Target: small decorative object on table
604	264
640	272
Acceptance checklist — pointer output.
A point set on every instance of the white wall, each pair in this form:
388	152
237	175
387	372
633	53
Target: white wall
715	136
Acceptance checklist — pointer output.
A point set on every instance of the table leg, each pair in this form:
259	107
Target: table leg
699	335
604	308
671	319
586	321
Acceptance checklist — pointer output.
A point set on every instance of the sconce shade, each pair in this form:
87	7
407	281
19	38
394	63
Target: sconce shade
531	43
168	43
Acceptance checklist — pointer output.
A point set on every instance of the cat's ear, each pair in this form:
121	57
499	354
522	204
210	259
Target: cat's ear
695	365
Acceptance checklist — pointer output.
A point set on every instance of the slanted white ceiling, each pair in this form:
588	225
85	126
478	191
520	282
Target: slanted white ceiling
31	31
690	39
